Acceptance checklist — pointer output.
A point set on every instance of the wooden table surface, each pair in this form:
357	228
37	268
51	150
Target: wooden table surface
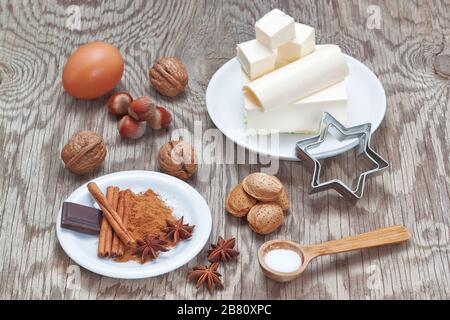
37	117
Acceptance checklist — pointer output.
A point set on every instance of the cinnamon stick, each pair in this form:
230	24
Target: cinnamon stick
103	250
116	243
110	214
126	214
113	202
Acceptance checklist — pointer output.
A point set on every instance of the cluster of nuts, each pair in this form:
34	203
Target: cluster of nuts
86	150
178	159
169	77
137	115
262	198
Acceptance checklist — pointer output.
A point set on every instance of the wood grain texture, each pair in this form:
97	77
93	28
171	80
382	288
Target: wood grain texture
37	118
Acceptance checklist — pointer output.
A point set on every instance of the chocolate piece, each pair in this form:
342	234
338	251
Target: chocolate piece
80	218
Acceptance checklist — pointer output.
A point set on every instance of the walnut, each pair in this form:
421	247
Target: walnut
178	159
169	76
84	152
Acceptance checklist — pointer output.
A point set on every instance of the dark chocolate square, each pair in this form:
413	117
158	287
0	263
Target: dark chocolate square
80	218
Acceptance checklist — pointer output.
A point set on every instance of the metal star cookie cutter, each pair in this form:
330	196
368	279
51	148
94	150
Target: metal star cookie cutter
363	133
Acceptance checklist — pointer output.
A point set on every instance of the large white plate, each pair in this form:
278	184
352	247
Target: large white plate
224	100
181	197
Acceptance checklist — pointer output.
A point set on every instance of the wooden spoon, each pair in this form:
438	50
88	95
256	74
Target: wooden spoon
380	237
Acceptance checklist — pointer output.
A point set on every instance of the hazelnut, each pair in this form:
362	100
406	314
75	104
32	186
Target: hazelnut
130	128
178	159
142	109
119	103
84	152
161	120
168	76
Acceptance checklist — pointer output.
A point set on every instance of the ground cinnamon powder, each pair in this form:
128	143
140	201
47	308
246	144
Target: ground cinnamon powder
147	216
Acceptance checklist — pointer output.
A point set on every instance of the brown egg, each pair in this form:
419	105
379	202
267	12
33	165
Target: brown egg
92	70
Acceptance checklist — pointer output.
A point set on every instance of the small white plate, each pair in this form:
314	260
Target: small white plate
181	197
225	103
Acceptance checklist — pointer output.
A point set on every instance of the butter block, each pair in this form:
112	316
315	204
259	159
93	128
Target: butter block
281	62
324	67
245	78
255	58
275	29
303	116
301	46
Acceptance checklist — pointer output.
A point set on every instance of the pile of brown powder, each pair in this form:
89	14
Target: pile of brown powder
147	217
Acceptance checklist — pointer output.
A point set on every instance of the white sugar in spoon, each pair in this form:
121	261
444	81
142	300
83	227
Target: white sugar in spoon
380	237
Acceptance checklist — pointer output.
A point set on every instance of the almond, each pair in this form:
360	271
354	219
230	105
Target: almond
265	218
262	186
283	200
238	203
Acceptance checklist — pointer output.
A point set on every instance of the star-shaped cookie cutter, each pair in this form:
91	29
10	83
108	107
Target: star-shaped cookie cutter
361	132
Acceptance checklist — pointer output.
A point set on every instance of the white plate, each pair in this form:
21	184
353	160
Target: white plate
181	197
224	100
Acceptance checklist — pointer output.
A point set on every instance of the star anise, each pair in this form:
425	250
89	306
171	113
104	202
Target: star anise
177	231
149	247
209	275
223	250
